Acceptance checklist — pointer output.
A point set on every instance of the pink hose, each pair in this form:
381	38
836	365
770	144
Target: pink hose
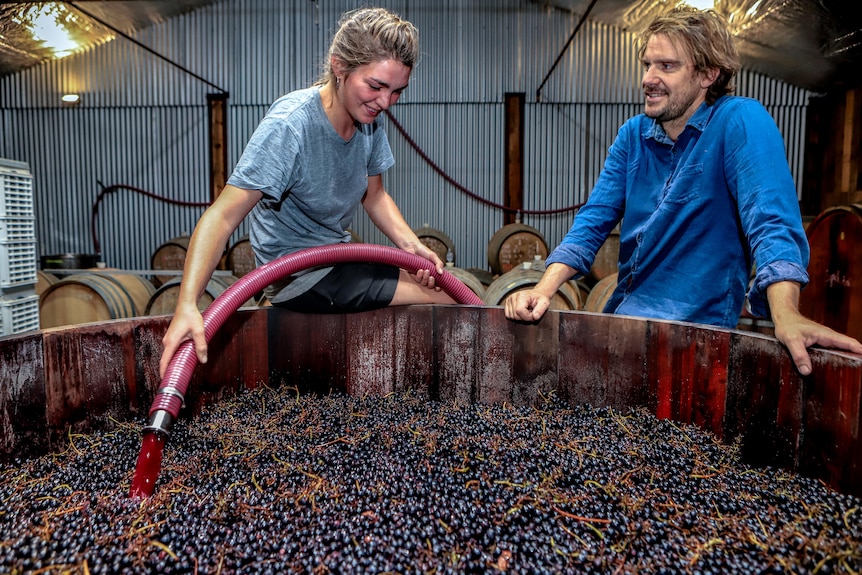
179	372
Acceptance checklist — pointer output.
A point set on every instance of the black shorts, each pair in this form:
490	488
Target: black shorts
348	287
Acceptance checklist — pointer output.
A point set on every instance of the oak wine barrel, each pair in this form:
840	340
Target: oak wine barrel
601	293
44	280
833	296
240	257
94	296
741	386
484	276
514	244
437	241
607	258
171	255
468	279
164	299
354	237
583	287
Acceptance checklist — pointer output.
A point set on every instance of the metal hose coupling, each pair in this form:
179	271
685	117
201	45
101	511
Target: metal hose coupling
161	422
165	409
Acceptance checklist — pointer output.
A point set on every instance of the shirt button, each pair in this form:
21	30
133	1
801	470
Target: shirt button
640	238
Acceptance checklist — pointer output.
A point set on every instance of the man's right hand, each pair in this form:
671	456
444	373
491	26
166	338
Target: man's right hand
526	305
531	304
187	323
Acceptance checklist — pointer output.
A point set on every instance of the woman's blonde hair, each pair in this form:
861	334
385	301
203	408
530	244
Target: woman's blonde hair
370	35
705	36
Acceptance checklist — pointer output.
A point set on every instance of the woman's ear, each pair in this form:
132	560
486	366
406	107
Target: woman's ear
336	65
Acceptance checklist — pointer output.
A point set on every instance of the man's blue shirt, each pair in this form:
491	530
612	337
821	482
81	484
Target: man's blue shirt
694	216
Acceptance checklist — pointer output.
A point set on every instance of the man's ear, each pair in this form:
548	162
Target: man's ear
708	77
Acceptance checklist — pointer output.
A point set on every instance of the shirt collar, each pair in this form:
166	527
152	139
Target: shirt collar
698	121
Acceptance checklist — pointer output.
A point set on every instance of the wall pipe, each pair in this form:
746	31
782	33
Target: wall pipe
171	393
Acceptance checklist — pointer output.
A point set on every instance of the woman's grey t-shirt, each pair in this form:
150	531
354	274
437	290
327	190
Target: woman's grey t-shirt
311	179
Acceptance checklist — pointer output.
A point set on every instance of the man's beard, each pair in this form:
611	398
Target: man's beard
673	110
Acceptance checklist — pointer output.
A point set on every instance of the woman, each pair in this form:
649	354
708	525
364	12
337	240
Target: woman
317	155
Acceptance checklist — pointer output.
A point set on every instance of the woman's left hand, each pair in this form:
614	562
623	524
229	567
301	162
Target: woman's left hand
424	276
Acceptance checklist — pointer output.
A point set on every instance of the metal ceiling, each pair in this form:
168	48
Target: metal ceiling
811	44
87	22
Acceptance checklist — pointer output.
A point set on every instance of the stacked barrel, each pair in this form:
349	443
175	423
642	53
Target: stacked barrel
516	260
79	290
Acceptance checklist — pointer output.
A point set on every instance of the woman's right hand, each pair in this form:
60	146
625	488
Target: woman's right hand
187	323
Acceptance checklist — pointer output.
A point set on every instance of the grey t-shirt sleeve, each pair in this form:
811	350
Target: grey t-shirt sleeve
269	161
380	157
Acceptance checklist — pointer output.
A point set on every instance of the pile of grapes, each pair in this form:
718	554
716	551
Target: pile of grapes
274	482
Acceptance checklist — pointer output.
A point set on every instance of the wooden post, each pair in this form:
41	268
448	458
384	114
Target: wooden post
514	186
217	104
850	146
832	152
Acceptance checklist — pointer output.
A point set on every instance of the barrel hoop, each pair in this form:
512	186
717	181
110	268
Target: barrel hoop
108	292
129	299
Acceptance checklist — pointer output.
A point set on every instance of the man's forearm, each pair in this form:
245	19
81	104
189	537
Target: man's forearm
783	300
556	275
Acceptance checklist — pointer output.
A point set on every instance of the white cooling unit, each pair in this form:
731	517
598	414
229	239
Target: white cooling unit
19	304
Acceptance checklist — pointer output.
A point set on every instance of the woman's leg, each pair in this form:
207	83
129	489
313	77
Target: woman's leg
409	291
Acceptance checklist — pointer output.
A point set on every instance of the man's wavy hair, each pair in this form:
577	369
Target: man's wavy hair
705	36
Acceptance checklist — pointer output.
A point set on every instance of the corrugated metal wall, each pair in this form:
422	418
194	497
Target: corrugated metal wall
143	120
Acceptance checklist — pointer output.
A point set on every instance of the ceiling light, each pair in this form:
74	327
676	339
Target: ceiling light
71	99
50	24
701	4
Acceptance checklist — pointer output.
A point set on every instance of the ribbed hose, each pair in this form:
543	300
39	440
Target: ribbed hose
169	398
170	395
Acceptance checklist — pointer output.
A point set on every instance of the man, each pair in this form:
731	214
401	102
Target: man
701	188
